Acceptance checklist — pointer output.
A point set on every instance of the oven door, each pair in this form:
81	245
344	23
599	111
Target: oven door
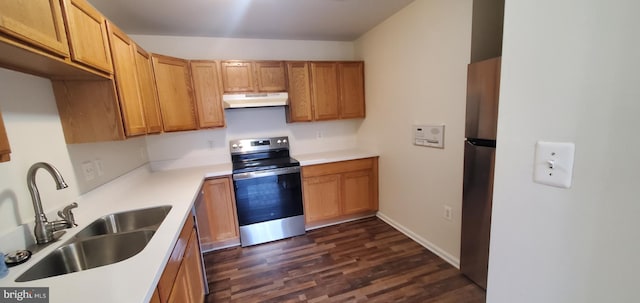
268	195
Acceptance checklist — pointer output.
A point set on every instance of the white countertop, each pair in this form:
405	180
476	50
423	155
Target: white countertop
134	280
333	156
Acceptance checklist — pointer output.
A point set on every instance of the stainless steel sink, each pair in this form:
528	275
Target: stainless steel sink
147	218
89	253
107	240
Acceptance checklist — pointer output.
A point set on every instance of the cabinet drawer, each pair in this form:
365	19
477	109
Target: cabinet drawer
337	167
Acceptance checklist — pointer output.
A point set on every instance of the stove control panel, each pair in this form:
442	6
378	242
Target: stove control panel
259	144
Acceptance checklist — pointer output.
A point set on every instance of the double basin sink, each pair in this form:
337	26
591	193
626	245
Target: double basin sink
107	240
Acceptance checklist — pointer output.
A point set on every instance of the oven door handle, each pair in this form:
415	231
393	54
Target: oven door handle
267	173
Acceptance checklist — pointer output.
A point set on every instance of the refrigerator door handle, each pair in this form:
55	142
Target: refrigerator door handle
481	142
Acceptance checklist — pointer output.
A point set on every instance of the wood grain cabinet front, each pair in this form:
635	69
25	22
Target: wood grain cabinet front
183	278
207	85
351	79
216	214
5	149
36	22
87	33
126	76
341	190
300	107
148	92
175	93
253	76
325	90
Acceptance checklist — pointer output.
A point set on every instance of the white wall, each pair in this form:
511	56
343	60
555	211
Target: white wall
416	66
35	133
184	149
569	73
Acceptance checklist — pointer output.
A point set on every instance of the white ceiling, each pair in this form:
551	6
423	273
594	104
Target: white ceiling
336	20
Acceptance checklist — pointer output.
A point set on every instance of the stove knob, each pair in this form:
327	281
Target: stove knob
279	141
234	146
284	141
239	145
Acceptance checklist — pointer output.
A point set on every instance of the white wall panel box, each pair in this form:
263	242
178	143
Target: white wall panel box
429	135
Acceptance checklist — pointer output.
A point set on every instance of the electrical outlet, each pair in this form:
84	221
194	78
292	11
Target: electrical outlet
88	170
99	167
448	213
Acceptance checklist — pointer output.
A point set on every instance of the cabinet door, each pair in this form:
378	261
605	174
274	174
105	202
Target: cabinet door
207	87
155	298
237	76
321	198
180	290
351	75
126	75
148	92
270	75
299	108
5	149
193	270
37	22
88	35
175	93
217	217
357	192
324	90
88	110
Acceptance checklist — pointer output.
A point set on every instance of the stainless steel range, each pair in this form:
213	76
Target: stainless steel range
268	190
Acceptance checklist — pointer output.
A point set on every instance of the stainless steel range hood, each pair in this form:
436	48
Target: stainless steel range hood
255	100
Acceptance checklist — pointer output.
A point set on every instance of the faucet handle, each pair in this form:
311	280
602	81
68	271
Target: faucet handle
67	215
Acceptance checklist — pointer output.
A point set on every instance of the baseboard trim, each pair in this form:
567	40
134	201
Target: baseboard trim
455	262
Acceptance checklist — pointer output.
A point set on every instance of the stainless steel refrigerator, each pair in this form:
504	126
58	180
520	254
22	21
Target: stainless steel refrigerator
483	83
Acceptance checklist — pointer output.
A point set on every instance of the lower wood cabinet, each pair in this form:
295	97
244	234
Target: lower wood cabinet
189	285
216	214
340	190
182	280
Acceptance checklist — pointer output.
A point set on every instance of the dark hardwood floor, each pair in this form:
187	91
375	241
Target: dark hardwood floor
360	261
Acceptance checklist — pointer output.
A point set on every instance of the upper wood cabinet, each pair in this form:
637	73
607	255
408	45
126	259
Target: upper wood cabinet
340	190
148	92
270	76
37	22
253	76
89	110
175	93
216	214
126	76
325	91
300	105
87	31
208	93
5	149
237	76
351	79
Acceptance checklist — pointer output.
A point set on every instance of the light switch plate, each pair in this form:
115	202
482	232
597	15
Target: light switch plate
553	163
